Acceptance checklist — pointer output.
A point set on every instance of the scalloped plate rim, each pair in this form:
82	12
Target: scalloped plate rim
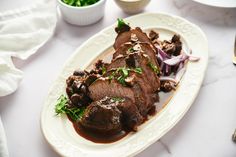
49	136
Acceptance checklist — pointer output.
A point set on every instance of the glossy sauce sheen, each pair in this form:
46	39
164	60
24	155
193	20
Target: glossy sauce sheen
106	138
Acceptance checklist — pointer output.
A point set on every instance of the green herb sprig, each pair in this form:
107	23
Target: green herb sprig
104	70
122	26
121	23
123	73
117	99
62	108
153	67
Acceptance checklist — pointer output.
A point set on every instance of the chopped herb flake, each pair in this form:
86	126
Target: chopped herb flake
121	80
153	67
104	70
122	73
117	99
138	70
131	49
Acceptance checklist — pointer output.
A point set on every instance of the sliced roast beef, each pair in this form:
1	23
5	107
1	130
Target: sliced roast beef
109	115
138	91
130	117
143	91
127	37
143	48
120	61
143	95
102	116
103	87
142	61
125	62
123	49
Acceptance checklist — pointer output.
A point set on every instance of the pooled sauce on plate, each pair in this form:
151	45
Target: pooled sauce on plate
107	138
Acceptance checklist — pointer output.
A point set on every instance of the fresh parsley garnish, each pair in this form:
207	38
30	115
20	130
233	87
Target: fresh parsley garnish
122	26
112	76
138	70
153	67
62	107
121	23
122	73
121	80
79	3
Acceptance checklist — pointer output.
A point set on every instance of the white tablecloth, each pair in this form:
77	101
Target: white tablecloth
205	130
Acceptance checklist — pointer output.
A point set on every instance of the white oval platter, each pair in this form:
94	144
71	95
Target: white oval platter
58	130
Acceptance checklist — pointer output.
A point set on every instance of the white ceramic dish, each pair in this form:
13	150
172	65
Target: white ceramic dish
218	3
82	15
59	131
132	6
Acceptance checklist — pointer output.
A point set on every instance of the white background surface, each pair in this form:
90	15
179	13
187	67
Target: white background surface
206	129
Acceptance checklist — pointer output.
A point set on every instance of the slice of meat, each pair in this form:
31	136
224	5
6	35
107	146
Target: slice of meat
109	115
143	90
120	61
103	87
143	48
102	116
130	117
122	50
126	37
139	92
142	61
143	95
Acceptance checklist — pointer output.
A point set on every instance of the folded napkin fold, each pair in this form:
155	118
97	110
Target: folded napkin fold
22	33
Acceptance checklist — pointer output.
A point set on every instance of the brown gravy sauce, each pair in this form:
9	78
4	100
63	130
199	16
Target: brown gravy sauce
107	138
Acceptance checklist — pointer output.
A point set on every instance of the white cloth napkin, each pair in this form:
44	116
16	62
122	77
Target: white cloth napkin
3	142
22	33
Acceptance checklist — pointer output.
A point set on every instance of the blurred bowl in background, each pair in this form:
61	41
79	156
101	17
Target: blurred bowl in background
84	15
132	6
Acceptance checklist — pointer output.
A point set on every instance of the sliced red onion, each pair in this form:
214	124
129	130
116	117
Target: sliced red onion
180	74
193	58
166	78
163	55
176	64
180	66
176	60
177	78
160	57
